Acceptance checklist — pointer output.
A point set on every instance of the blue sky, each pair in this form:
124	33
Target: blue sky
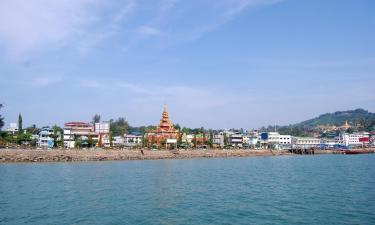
217	64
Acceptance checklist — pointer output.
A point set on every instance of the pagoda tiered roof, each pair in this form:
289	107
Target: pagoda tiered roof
165	125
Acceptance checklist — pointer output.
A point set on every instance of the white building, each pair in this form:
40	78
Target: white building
250	140
118	141
132	139
275	140
285	139
45	139
189	138
305	142
236	139
102	128
331	142
357	139
13	128
74	130
218	140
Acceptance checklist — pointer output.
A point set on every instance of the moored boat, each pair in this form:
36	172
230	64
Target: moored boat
354	152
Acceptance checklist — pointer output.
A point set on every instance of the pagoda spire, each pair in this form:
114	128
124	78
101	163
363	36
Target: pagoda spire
165	123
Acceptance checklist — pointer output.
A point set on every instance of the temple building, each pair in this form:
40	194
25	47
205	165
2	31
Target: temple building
345	127
165	135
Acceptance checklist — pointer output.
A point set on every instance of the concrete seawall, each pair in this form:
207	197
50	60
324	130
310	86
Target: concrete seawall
16	155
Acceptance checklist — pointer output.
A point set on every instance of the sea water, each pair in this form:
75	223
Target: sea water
325	189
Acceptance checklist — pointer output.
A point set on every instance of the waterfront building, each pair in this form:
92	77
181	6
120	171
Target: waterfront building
356	139
102	127
165	135
45	139
285	139
75	130
305	142
330	142
190	139
118	141
200	140
133	140
218	140
102	134
274	140
236	139
253	141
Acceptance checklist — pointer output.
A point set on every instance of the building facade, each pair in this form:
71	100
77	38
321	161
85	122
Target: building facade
131	140
305	142
356	139
218	140
236	140
75	130
45	139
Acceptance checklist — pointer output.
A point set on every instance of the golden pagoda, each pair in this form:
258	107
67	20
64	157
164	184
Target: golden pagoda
165	132
345	126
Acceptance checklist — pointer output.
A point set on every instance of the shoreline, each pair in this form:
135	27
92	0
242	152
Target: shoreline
78	155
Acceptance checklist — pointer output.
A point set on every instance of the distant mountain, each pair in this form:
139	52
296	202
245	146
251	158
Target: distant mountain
359	119
357	116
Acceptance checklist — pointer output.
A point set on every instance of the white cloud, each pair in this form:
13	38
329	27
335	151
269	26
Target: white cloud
31	26
149	31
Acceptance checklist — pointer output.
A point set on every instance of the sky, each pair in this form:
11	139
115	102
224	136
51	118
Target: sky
217	64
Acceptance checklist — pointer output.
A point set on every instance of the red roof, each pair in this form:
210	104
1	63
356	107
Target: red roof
77	124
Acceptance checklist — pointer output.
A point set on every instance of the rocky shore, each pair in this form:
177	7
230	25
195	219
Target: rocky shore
79	155
17	155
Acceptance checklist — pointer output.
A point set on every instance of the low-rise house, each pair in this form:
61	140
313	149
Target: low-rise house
45	139
236	140
200	140
118	141
12	129
133	139
218	140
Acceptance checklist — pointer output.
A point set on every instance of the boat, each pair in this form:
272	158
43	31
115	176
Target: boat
355	152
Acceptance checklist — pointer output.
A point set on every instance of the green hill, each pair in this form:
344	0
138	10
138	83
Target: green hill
360	119
354	117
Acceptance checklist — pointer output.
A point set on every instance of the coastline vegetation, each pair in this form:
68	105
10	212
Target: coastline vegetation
361	120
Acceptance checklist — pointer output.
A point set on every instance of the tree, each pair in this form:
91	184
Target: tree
77	143
20	123
22	138
1	118
57	136
110	139
96	118
119	127
33	129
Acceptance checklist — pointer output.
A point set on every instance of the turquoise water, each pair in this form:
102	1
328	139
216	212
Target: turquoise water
332	189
